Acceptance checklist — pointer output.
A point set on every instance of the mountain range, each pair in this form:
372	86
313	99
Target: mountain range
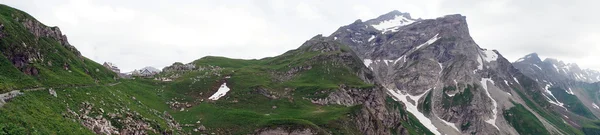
389	75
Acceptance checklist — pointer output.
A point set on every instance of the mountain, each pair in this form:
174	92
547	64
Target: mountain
556	70
322	87
566	85
447	81
146	71
48	87
389	75
34	55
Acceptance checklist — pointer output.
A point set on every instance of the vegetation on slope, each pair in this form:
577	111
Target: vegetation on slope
38	112
571	102
536	101
29	61
524	121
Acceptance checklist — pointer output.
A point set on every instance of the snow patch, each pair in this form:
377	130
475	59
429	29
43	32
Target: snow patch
480	66
537	66
506	82
450	124
441	68
569	91
490	55
401	57
367	62
387	62
595	106
455	83
220	93
393	24
334	38
495	105
412	108
552	100
516	80
555	68
371	38
430	41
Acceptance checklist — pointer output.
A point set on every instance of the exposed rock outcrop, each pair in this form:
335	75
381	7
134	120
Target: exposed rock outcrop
179	67
40	30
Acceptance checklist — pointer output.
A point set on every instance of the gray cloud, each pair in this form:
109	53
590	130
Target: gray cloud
134	34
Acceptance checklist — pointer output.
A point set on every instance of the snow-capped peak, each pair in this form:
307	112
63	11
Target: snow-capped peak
390	25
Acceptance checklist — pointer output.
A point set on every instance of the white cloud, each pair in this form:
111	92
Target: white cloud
135	34
307	11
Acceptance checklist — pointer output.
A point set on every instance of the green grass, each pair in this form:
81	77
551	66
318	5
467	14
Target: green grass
412	124
524	121
460	99
535	101
37	112
53	56
572	103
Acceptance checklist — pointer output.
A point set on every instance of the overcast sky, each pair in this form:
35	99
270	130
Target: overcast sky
138	33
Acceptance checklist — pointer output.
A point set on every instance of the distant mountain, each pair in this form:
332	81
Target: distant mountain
556	70
566	85
146	71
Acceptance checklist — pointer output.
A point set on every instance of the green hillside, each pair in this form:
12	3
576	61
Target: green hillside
270	93
29	61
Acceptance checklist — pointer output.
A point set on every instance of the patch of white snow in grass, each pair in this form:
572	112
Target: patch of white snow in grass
220	93
412	108
595	106
569	91
372	37
552	100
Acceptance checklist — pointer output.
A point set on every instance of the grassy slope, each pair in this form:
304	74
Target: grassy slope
536	101
524	121
19	40
243	110
38	112
572	102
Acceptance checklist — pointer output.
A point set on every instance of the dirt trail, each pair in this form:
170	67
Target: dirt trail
5	97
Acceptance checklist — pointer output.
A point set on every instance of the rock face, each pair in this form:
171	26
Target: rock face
178	67
24	49
40	30
111	67
428	65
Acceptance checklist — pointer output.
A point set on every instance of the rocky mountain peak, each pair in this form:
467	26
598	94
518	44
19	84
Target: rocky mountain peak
321	43
391	21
